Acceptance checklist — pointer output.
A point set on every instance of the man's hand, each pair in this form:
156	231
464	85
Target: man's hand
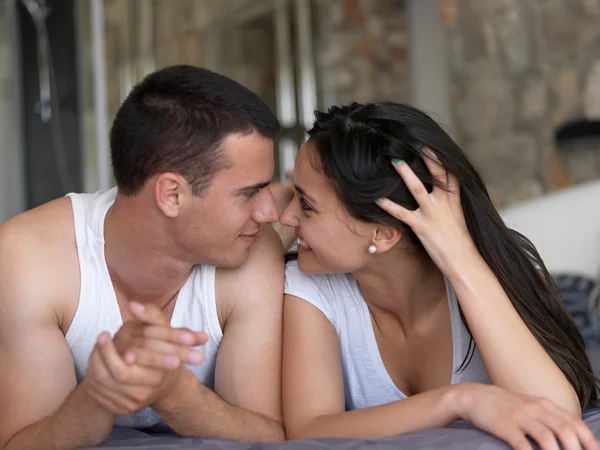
142	363
150	341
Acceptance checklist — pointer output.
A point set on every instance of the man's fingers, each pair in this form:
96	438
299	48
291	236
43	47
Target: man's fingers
141	376
200	338
110	358
124	399
153	360
160	346
177	336
110	404
162	350
148	313
121	371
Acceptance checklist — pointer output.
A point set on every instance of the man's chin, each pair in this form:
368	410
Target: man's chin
234	262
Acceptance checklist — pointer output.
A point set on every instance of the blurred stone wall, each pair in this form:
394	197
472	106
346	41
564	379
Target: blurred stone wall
520	68
361	50
360	45
197	32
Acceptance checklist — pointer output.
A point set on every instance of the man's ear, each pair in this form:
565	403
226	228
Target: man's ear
169	193
385	237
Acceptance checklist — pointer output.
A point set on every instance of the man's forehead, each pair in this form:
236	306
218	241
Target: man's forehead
239	175
236	142
251	145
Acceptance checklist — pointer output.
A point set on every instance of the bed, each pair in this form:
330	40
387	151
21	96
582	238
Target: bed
459	436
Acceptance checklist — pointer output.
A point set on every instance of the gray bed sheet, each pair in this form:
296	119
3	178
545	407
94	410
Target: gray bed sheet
459	436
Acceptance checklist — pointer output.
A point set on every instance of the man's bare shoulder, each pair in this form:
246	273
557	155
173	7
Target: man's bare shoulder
38	261
267	254
42	233
257	279
267	251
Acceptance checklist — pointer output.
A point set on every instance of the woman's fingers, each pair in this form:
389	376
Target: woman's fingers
439	172
543	435
436	169
416	186
571	431
566	434
413	183
550	424
586	437
453	185
395	210
513	436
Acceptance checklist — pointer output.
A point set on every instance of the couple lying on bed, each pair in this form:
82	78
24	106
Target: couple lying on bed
408	304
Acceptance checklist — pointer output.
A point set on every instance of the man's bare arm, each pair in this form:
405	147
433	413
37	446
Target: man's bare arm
41	408
247	402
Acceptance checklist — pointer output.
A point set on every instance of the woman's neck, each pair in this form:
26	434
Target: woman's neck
403	284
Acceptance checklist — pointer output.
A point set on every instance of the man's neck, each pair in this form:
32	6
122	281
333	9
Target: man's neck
140	263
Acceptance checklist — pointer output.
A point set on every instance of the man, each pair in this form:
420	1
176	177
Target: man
106	298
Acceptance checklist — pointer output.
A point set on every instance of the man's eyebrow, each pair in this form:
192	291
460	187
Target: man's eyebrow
254	187
303	192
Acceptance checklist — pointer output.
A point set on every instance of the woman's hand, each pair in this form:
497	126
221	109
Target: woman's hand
512	417
438	222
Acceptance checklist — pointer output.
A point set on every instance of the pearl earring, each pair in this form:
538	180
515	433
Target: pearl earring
372	249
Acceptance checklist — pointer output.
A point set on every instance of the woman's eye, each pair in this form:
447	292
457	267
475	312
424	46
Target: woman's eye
304	205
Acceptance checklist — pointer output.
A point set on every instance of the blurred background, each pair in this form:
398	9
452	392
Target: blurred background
502	76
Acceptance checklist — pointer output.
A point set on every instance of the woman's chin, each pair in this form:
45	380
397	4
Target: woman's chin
306	261
303	250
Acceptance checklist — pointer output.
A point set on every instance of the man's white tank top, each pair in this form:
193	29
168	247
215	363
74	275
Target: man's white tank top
98	310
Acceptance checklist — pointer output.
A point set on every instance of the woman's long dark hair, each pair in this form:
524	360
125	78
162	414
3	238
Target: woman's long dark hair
355	144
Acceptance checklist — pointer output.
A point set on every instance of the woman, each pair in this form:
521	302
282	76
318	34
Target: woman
409	295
